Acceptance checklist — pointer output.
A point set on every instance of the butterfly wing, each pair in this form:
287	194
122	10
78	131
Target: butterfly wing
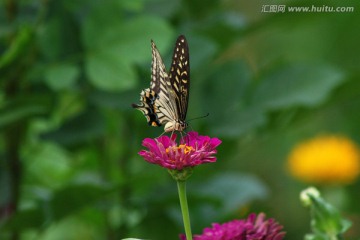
147	107
159	75
165	102
155	101
179	77
165	107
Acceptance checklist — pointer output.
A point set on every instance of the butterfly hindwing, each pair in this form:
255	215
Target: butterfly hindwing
166	101
147	107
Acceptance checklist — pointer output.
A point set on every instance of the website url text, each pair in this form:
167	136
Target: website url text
310	9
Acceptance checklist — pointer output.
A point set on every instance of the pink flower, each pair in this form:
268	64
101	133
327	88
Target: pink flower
192	151
252	228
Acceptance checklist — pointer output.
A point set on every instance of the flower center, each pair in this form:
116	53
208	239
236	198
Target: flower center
181	148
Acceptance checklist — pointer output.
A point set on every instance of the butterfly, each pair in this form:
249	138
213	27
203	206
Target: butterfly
166	101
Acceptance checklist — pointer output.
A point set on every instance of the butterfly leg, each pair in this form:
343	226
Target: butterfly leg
161	134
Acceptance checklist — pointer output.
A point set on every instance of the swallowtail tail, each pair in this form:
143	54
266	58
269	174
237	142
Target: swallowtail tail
166	101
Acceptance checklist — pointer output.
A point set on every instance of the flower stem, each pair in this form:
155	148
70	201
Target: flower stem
184	208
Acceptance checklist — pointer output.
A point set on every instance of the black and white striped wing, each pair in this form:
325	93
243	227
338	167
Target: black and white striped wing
147	107
165	102
165	107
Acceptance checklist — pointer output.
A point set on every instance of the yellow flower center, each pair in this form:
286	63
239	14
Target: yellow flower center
182	147
326	159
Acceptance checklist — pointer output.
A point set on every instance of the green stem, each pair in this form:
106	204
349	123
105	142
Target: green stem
184	208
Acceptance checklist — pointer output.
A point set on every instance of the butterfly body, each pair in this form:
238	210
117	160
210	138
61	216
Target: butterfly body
175	126
165	102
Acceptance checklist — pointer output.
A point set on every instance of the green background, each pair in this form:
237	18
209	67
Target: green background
69	71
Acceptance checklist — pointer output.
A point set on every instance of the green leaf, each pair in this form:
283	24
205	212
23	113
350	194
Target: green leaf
58	36
202	52
23	219
48	163
297	85
9	116
112	54
135	45
239	189
18	46
24	106
315	237
61	76
222	195
80	129
64	202
224	94
119	101
326	220
77	226
131	5
75	197
102	23
239	121
163	8
218	93
109	72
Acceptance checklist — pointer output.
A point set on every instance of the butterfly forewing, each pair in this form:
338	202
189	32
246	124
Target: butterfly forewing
158	72
180	76
164	108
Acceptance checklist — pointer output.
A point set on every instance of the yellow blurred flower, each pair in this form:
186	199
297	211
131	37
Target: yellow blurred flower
325	159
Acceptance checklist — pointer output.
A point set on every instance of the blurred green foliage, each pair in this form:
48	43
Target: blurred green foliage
326	221
69	71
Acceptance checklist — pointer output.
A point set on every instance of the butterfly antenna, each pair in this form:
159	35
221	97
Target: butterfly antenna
206	115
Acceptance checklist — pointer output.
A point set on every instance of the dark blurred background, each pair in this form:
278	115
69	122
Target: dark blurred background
69	71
